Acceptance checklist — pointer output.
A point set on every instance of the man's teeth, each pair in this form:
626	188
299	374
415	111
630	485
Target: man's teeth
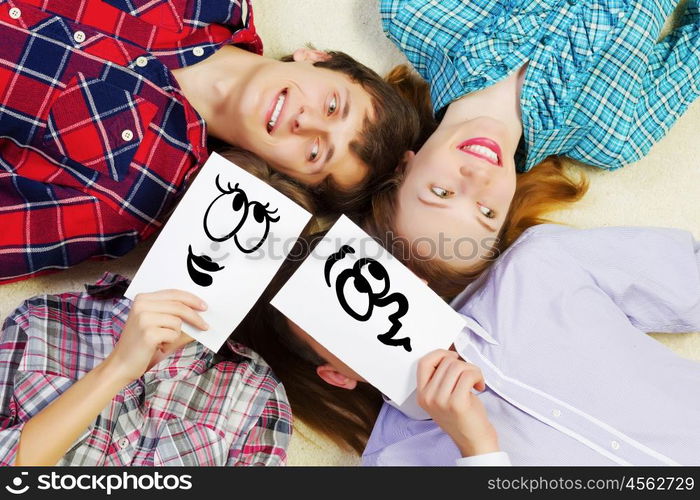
483	151
276	111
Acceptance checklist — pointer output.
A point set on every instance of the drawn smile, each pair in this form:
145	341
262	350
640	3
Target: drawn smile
198	267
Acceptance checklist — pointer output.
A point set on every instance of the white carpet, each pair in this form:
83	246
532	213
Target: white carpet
661	190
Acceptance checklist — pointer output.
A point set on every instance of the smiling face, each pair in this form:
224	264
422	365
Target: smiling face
457	190
301	119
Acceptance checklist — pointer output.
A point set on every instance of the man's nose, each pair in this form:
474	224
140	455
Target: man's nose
307	121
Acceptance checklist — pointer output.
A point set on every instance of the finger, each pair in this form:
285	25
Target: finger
480	383
159	336
428	364
154	320
449	381
468	380
182	311
434	385
179	341
186	298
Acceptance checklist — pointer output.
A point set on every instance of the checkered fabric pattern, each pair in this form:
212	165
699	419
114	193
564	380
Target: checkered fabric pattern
190	409
96	139
599	88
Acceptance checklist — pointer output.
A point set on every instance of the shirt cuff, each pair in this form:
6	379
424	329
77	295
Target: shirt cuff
495	458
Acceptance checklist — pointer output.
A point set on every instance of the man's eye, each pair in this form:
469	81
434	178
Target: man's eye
487	211
313	154
332	106
441	192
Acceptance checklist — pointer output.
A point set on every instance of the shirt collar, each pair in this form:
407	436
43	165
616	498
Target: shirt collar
476	328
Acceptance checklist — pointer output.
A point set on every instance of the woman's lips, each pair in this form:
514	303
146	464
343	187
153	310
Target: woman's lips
484	148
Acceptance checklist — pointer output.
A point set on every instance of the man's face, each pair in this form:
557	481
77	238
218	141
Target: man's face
301	119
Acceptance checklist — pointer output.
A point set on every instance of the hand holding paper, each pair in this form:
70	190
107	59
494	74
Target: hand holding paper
153	330
224	243
369	310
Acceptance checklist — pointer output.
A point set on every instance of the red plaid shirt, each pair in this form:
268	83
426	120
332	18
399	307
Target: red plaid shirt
190	409
96	139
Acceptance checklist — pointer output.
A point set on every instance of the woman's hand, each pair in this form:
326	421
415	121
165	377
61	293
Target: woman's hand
444	391
153	331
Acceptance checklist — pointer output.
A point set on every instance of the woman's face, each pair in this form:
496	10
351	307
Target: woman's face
457	191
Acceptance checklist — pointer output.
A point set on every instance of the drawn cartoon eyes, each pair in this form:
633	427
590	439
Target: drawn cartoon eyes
257	226
372	279
231	212
362	287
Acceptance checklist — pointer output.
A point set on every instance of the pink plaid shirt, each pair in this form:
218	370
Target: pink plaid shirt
193	408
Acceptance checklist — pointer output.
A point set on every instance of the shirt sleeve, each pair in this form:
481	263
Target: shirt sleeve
66	226
671	83
495	458
652	274
13	340
268	439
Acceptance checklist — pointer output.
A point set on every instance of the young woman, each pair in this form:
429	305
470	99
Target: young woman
516	82
105	109
554	341
94	379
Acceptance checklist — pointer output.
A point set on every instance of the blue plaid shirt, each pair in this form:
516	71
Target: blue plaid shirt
598	88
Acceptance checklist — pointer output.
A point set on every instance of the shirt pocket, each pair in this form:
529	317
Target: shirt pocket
594	27
164	13
182	442
33	391
97	126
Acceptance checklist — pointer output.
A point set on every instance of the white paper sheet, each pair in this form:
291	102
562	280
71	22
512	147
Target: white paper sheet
425	320
205	221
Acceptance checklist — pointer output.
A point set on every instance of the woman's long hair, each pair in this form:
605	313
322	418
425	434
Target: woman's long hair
344	416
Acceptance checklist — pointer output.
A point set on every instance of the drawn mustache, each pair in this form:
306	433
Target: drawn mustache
204	262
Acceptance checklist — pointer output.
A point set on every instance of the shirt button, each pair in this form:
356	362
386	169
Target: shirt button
556	413
127	135
123	443
141	61
15	13
79	36
615	445
198	51
546	40
138	390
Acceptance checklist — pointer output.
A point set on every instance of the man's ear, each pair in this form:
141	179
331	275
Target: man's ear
405	159
313	55
333	377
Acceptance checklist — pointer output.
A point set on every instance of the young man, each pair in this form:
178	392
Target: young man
105	109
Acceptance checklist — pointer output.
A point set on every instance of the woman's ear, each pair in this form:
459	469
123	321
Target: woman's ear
313	55
405	159
333	377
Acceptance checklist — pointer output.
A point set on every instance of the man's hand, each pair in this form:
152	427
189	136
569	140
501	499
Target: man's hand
444	391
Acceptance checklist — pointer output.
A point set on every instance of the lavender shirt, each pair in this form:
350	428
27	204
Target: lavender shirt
557	327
